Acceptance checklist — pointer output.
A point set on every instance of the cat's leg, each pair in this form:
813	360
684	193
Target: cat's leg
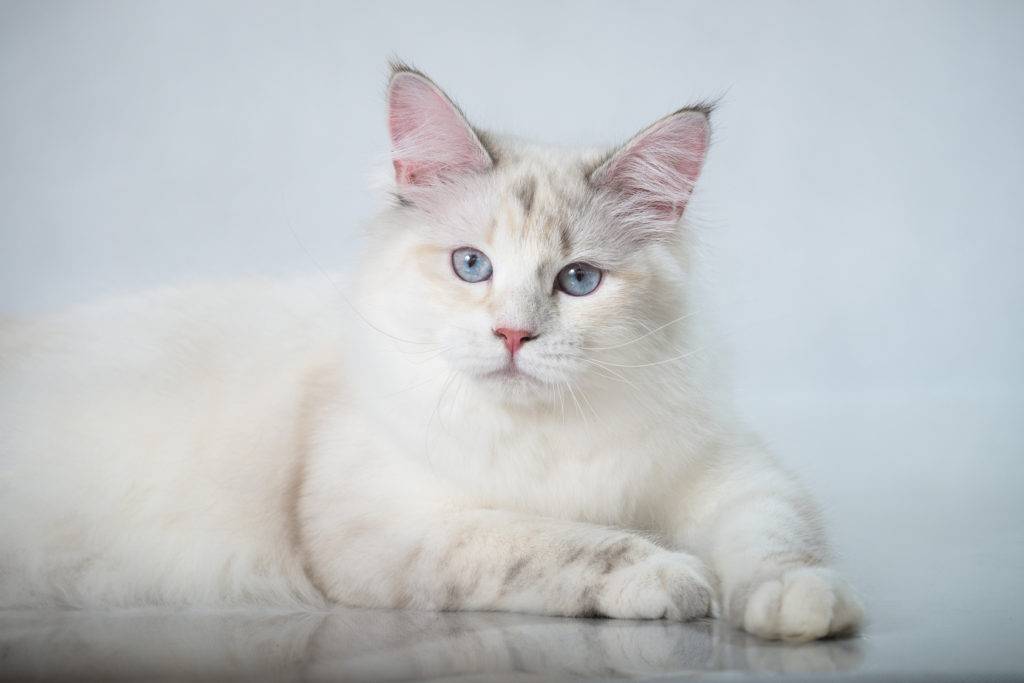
761	534
421	556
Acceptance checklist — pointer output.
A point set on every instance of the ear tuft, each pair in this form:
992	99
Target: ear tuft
431	141
397	65
652	175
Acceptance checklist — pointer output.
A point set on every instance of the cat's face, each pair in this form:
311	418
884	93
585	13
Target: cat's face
519	291
534	271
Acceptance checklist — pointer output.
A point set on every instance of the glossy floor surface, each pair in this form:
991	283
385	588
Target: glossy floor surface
392	646
922	493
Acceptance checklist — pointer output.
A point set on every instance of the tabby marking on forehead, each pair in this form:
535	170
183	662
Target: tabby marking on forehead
525	190
540	209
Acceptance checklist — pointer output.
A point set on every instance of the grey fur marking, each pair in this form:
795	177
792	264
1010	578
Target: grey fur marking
588	604
515	579
515	569
576	554
454	595
525	190
610	558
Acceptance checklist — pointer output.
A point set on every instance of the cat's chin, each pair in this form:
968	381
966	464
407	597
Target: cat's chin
512	377
513	385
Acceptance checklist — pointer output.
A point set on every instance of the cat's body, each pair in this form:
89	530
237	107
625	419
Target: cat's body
504	410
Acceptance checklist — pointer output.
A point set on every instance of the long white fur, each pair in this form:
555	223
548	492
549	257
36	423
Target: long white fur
292	444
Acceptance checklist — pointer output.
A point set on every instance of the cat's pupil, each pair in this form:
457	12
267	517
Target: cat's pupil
578	274
471	260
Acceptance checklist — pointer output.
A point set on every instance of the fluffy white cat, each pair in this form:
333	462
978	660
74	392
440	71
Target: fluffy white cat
503	410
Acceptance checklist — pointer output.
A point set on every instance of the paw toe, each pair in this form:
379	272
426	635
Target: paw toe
670	587
805	604
762	614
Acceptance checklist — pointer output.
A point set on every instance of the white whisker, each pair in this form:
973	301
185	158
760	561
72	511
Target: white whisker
436	412
611	374
642	336
586	400
674	359
579	407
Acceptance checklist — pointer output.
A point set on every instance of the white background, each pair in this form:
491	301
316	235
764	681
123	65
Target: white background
860	202
861	211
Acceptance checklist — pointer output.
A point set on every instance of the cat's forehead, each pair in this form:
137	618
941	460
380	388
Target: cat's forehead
540	196
528	165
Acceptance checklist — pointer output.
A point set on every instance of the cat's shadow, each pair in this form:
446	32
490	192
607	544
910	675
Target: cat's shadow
390	646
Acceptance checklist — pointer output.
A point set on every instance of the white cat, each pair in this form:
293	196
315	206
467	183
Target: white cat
503	411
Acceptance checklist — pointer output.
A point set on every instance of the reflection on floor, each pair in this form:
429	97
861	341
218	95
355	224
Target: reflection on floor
388	646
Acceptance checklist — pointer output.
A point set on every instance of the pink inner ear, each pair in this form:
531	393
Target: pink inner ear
430	139
657	170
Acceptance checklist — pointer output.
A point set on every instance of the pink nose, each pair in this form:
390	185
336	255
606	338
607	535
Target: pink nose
514	339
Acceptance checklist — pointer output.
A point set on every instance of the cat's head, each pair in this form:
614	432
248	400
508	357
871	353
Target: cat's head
536	270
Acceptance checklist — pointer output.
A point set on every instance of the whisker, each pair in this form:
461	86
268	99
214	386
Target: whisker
460	382
635	383
650	331
436	412
586	400
642	336
579	407
675	359
611	374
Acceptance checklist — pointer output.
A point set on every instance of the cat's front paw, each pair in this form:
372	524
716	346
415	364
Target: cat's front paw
803	604
662	586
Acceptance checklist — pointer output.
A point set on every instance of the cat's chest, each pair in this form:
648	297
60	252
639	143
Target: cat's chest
604	461
583	470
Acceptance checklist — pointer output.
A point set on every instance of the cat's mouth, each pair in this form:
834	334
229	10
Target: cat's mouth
513	385
512	373
523	378
513	379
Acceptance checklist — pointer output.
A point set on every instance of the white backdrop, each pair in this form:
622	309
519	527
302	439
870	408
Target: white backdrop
859	203
861	206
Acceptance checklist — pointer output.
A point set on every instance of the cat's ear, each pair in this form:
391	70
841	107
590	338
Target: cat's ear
431	141
651	176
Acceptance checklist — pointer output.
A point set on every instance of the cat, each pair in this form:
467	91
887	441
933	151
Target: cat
503	408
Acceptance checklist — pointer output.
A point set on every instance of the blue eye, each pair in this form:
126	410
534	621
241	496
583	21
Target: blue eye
579	279
471	265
